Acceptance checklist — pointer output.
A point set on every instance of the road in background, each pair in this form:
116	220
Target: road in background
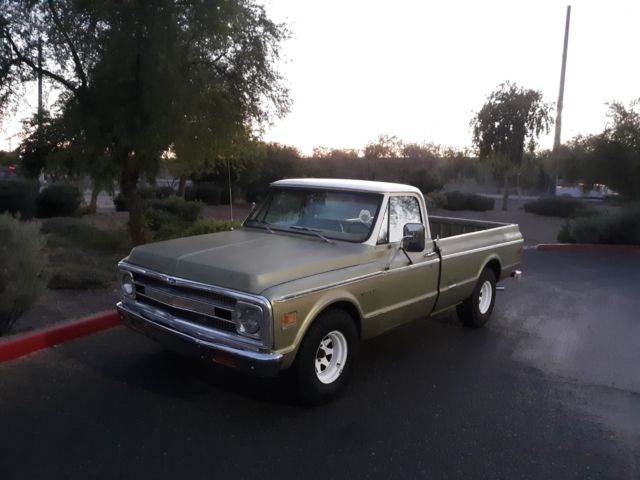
549	389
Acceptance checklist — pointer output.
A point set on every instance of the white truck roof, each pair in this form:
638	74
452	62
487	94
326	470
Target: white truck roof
346	184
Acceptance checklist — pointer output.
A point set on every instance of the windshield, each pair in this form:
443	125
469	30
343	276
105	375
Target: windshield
337	215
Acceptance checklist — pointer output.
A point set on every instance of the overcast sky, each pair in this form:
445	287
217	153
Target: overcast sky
419	69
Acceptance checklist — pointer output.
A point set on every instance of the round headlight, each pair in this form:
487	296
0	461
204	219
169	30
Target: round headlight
248	318
127	285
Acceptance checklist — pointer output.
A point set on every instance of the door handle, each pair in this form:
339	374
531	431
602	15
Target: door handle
430	254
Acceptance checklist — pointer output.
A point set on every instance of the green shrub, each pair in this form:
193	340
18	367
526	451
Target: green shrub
21	266
622	227
206	192
564	207
169	217
145	193
160	211
58	200
468	201
18	197
210	225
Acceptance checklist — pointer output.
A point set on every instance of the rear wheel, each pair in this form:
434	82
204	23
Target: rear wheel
476	310
325	359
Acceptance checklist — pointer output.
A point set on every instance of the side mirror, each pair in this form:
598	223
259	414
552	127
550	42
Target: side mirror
413	237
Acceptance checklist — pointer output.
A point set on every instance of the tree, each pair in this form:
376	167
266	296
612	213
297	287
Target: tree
385	146
610	158
616	152
511	120
148	76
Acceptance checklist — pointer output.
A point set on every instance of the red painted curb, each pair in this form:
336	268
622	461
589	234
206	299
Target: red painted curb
591	247
25	343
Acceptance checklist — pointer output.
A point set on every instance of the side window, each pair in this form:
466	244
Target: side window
383	237
402	210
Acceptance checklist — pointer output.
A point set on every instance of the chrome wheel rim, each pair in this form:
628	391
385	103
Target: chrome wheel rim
331	357
484	299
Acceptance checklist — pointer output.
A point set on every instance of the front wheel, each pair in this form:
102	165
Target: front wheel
476	310
325	359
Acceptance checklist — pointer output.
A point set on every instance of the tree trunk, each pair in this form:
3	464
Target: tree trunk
182	186
505	193
129	188
93	204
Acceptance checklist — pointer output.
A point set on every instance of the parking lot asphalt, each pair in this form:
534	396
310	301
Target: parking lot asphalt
549	389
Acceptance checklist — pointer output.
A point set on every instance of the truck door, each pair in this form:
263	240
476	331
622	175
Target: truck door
406	290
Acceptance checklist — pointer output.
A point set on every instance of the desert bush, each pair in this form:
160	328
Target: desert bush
21	266
564	207
18	197
58	200
468	201
622	227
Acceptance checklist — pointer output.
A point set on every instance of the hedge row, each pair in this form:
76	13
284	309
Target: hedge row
468	201
564	207
20	198
621	228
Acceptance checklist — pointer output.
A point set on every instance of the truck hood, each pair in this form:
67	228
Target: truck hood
248	260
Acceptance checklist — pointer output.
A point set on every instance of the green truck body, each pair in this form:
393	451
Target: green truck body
280	273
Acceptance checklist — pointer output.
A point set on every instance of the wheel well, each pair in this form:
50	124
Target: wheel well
494	265
349	308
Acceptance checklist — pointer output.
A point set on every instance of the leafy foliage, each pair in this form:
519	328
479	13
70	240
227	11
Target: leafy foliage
556	206
21	266
468	201
18	197
622	227
58	200
511	119
141	79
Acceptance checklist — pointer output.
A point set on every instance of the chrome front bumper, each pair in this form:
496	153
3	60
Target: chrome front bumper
262	364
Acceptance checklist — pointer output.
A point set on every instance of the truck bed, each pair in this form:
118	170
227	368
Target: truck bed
467	246
444	227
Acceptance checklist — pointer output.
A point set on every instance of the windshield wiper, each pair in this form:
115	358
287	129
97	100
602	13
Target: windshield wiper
311	230
263	223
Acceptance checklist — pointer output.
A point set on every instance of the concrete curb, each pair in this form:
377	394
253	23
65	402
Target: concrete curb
588	247
25	343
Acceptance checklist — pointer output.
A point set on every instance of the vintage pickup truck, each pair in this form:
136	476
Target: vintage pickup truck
315	267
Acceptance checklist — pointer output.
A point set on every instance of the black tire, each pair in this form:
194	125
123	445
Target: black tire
311	390
470	312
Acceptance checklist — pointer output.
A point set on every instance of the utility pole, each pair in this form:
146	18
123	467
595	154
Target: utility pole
558	128
40	110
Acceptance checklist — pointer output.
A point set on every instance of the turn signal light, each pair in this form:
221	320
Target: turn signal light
289	320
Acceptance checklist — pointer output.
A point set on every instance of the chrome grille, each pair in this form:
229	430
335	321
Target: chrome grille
205	308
